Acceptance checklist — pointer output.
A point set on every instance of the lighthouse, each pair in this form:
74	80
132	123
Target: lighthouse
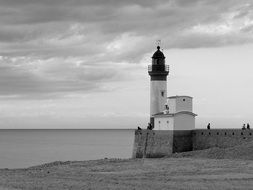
158	72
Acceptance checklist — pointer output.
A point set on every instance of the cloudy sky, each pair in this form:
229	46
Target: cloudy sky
83	63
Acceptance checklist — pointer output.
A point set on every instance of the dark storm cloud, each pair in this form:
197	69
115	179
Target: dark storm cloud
98	32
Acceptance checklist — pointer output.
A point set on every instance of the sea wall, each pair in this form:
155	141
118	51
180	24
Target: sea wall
150	143
182	141
154	144
223	138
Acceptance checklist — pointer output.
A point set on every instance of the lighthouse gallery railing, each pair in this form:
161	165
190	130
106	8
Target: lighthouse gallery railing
158	68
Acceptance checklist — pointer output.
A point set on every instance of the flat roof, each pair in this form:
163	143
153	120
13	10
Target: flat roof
173	114
183	96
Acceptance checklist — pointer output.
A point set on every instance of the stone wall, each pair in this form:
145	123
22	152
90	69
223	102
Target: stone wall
153	144
203	138
182	140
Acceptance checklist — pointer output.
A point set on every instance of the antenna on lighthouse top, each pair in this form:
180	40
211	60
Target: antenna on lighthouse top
158	42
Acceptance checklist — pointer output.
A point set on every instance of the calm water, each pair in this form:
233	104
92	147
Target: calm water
23	148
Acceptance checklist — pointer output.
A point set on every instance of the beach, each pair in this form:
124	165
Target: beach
163	173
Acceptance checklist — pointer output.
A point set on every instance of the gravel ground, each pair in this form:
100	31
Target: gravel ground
164	173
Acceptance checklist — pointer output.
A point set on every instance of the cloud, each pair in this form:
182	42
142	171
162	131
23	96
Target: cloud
80	27
61	46
28	78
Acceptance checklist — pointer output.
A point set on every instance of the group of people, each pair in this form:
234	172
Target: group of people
149	127
244	127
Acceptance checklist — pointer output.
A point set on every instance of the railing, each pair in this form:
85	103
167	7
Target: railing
158	68
150	68
167	68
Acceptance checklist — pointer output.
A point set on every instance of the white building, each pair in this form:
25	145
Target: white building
172	113
177	116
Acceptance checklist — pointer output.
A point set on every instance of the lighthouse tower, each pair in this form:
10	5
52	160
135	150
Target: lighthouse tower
158	72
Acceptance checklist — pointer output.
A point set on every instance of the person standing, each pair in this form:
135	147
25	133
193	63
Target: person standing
208	126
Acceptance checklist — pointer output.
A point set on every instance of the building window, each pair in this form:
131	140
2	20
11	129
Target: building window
162	93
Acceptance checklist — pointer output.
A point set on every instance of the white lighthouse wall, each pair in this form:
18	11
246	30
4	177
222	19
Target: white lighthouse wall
184	122
164	123
183	103
158	96
172	105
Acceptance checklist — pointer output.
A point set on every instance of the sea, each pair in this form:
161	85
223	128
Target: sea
21	148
